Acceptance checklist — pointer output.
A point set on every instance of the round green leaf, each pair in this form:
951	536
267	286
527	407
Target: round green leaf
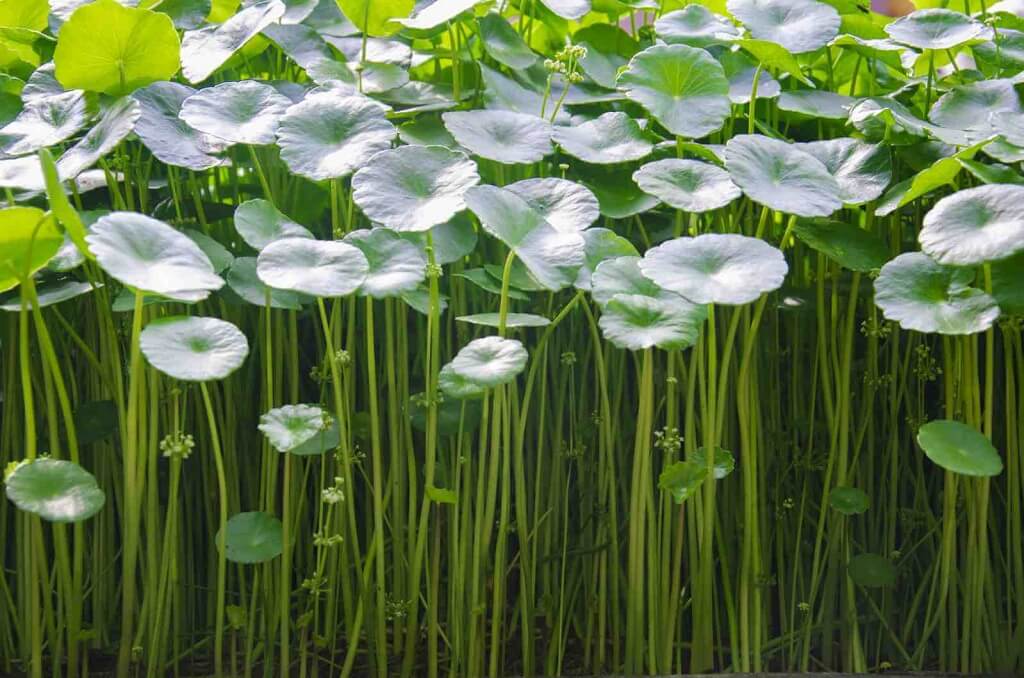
251	537
682	479
567	206
846	244
44	122
328	136
622	275
683	87
107	47
149	255
635	322
204	50
395	264
798	25
503	44
600	244
260	223
849	501
926	296
935	29
502	136
975	225
959	448
192	348
781	176
688	185
490	361
724	462
323	441
716	268
871	570
218	255
457	386
28	240
969	106
166	135
244	112
245	282
511	320
55	490
695	25
610	138
862	170
320	268
414	188
619	196
289	426
452	240
376	17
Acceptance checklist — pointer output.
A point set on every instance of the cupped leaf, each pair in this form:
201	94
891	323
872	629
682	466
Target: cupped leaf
781	176
395	264
798	25
553	257
975	225
862	170
600	244
502	136
935	29
260	223
324	441
28	240
166	135
923	295
45	121
682	479
695	25
622	275
689	185
612	137
566	205
116	123
150	256
243	112
683	87
846	244
414	188
192	348
716	268
452	240
320	268
849	501
251	537
107	47
55	490
245	282
871	570
328	136
204	50
969	106
289	426
490	361
635	322
959	448
438	13
511	320
457	386
722	464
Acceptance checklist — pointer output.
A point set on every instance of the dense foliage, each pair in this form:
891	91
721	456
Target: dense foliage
476	337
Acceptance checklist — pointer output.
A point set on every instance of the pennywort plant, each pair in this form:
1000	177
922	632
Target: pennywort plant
534	337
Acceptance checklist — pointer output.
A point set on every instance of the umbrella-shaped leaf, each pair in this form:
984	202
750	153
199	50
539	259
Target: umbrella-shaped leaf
564	204
975	226
682	479
107	47
969	106
846	244
117	122
149	255
28	239
414	188
324	441
781	176
502	136
251	537
289	426
636	321
426	131
452	240
55	490
611	138
871	570
622	275
723	463
683	87
716	268
490	361
244	112
457	386
192	348
503	43
798	25
689	185
166	135
926	296
935	29
553	257
206	49
328	136
862	170
260	223
396	265
600	244
376	17
511	320
849	501
695	25
740	70
45	121
320	268
244	281
959	448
